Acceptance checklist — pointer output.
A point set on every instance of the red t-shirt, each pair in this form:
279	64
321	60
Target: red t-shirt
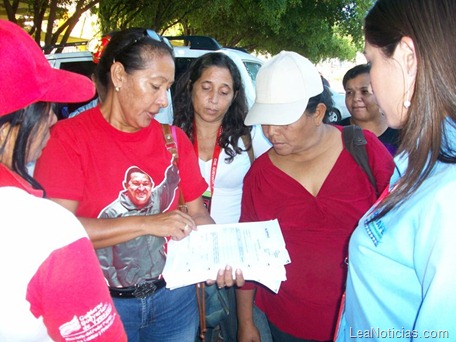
316	232
86	160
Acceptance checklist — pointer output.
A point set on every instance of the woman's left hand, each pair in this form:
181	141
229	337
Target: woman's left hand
225	278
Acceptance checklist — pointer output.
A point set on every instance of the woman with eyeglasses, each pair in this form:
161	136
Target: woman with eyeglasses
85	168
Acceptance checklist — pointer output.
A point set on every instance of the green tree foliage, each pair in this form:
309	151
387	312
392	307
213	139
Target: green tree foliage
156	14
48	11
318	29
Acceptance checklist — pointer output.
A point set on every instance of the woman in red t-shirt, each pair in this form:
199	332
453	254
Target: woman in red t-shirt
316	190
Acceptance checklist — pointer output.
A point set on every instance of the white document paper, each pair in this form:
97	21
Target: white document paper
257	248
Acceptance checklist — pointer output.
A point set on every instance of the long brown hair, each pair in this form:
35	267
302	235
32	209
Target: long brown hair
432	27
233	122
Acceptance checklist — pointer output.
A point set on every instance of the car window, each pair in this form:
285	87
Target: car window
86	68
81	67
252	69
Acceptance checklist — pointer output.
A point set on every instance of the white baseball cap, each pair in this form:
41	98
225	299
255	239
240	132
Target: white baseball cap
284	85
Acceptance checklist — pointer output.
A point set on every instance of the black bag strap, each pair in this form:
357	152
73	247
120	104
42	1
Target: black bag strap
355	143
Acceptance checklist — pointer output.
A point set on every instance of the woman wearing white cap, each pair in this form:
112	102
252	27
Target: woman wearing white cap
52	287
314	187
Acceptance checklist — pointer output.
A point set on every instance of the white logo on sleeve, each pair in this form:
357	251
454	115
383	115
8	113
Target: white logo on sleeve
89	326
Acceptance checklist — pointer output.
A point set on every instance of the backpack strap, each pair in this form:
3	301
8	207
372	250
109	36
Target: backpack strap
355	143
170	142
169	133
247	140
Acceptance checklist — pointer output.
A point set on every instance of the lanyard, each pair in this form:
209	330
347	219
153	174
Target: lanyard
215	155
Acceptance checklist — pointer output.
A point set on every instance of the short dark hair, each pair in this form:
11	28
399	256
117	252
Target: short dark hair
324	97
354	72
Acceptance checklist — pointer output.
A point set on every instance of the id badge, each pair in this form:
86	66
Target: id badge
207	197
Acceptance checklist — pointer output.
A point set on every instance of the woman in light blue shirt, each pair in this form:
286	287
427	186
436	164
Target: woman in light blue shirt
402	256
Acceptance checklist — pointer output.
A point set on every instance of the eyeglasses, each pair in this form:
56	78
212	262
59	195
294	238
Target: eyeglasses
148	33
154	35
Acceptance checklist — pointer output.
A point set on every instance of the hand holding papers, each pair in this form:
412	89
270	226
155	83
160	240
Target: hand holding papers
257	248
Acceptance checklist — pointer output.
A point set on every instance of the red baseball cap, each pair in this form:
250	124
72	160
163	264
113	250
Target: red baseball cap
27	77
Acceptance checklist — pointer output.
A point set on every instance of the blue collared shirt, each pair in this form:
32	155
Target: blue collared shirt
402	268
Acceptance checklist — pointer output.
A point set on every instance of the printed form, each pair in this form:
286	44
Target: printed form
257	248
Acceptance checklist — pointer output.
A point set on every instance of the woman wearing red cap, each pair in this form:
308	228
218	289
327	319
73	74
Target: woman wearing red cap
44	249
